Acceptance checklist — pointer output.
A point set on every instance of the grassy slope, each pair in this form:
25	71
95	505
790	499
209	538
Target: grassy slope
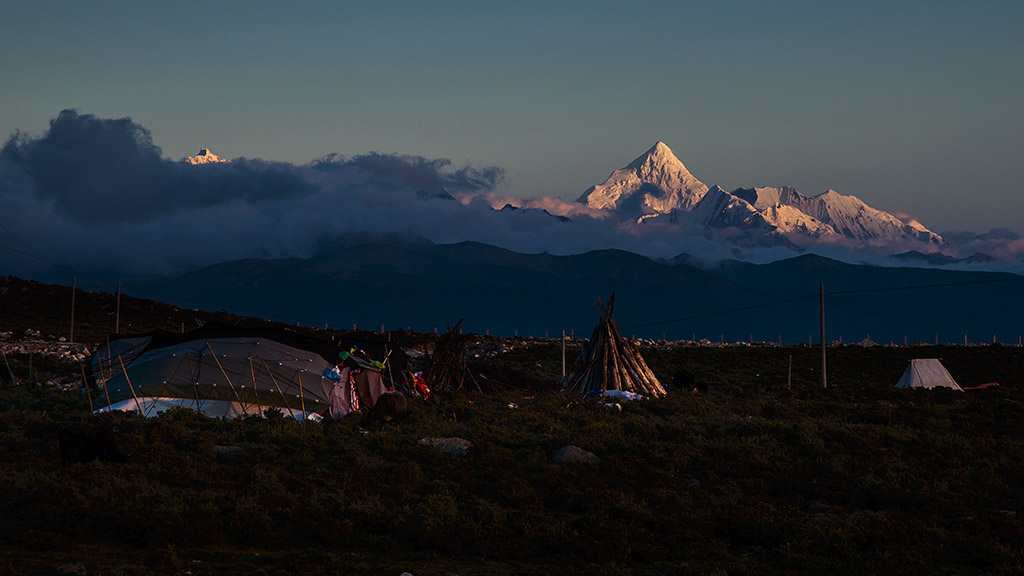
751	478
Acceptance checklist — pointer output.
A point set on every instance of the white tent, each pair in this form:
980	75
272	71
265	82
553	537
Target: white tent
927	373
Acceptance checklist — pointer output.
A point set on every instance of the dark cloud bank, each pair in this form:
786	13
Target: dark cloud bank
98	194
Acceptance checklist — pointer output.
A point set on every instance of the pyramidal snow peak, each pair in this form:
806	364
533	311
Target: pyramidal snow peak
657	187
655	183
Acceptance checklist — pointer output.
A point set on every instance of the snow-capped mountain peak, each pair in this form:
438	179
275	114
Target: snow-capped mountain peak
205	157
655	183
657	187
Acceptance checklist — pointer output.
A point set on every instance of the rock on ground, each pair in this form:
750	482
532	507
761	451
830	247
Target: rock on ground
573	454
456	446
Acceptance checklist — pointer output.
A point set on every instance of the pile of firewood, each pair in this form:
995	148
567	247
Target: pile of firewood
446	369
610	362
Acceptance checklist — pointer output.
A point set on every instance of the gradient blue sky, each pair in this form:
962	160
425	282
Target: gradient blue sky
911	106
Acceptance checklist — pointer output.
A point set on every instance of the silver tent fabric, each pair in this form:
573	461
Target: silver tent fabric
221	377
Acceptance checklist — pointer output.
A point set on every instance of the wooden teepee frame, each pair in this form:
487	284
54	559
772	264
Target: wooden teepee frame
446	370
610	362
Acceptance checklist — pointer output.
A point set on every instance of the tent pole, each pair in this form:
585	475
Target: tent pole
195	381
85	383
130	387
222	371
255	390
106	392
302	397
274	380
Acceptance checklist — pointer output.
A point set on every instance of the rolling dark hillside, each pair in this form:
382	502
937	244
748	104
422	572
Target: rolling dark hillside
426	286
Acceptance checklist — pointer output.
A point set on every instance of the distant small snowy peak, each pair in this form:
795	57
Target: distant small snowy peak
205	157
655	183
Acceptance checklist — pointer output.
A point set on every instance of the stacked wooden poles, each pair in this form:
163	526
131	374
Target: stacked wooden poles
610	362
446	369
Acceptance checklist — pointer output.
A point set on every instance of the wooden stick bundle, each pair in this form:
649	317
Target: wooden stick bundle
610	362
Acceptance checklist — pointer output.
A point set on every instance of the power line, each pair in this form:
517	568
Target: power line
723	312
836	293
923	286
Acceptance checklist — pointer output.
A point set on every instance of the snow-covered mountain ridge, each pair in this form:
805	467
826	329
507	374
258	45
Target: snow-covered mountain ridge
657	188
205	157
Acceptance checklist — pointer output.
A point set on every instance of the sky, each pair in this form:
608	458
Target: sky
914	107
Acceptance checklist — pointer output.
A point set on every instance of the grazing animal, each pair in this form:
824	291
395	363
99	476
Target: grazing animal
390	407
88	443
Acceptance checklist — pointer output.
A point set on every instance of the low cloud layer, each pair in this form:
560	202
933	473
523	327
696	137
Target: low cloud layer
97	194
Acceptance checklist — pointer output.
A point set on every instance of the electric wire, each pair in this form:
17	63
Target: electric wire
835	293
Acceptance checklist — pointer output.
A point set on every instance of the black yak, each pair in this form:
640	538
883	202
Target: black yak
88	443
390	407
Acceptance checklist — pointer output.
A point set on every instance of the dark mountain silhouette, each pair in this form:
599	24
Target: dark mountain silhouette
425	286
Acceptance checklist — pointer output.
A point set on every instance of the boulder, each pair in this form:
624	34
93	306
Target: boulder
456	446
75	569
573	454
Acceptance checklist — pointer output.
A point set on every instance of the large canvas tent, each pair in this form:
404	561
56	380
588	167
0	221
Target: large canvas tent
610	362
926	373
226	371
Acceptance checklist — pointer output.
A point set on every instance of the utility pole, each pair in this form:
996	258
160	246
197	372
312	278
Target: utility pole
821	299
74	283
117	316
563	354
